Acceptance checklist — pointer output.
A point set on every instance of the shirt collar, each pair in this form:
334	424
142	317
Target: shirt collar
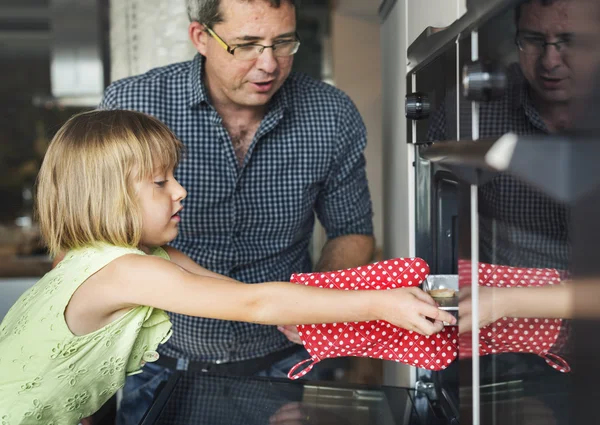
280	101
522	99
199	95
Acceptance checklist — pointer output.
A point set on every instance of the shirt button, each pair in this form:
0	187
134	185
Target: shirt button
150	356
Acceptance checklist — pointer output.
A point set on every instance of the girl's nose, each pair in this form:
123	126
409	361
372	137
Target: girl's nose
180	193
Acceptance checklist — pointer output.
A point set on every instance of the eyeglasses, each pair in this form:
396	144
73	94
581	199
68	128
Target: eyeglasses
250	51
535	45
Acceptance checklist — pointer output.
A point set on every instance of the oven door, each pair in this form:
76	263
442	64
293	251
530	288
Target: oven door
434	84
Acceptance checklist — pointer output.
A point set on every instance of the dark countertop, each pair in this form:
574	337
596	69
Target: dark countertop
203	399
198	398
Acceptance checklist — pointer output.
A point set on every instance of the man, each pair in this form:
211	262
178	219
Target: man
266	150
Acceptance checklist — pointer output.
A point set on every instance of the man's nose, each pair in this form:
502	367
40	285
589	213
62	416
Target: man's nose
267	61
551	58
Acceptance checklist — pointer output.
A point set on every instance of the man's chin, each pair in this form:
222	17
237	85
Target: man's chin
559	97
555	96
257	99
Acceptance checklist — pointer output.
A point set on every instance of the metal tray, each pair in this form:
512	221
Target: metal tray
442	281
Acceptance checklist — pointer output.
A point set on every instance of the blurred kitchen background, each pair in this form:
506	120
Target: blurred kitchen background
37	39
57	56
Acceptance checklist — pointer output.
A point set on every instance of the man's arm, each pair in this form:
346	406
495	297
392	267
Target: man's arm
347	251
344	205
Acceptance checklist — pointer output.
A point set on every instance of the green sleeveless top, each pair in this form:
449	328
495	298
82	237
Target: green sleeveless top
50	376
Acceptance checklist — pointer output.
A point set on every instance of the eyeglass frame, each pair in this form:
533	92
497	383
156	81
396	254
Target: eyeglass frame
558	45
231	50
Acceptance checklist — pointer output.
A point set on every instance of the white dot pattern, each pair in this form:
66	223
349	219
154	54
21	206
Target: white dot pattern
515	335
375	339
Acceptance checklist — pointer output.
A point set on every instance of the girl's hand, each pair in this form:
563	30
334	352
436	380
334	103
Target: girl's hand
412	309
491	307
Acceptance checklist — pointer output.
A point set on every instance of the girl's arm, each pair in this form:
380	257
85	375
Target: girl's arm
190	265
549	302
146	280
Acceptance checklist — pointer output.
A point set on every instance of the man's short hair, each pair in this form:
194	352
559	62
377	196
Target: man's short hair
208	12
518	8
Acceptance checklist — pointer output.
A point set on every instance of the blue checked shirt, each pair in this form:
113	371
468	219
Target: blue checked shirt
254	222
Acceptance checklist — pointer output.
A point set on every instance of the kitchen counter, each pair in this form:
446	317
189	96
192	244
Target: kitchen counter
24	266
11	289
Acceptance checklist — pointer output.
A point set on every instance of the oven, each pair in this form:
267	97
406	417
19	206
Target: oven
465	191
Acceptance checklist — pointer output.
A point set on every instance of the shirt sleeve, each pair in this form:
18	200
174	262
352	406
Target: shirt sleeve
110	99
344	204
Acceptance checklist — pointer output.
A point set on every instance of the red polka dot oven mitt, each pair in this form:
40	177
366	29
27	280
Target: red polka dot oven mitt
515	335
376	339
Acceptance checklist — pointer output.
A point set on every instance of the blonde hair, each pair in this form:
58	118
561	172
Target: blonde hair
86	183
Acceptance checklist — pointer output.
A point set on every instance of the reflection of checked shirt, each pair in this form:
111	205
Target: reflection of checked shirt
519	225
220	400
254	222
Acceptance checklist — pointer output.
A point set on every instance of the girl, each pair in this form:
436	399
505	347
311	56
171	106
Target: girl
107	197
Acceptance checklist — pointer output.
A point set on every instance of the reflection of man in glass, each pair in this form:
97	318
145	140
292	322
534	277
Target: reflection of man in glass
540	85
519	225
544	37
558	57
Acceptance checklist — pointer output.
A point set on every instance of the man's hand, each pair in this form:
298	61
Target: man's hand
291	332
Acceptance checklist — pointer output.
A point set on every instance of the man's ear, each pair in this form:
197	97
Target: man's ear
198	36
